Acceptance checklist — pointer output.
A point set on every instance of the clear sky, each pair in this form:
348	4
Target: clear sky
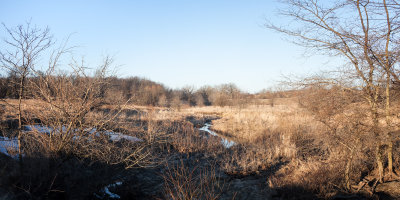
174	42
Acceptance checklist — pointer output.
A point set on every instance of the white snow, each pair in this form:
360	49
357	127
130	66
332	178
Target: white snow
106	191
110	194
38	128
7	144
11	144
115	136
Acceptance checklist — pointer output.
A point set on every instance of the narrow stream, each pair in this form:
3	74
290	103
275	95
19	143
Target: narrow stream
227	143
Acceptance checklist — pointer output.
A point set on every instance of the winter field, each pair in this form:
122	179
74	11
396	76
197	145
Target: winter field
211	152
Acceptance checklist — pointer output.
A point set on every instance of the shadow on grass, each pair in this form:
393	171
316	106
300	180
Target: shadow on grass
64	177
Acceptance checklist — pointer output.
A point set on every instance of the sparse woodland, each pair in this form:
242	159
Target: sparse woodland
69	131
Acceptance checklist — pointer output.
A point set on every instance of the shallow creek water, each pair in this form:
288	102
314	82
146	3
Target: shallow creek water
227	143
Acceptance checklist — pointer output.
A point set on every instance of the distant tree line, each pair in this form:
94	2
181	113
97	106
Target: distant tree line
141	91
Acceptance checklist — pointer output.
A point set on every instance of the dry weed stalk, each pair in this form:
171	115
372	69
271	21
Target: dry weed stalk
183	182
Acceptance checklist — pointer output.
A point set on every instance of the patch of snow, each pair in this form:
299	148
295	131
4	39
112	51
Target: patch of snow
38	128
44	129
7	144
11	144
227	143
91	130
115	136
110	194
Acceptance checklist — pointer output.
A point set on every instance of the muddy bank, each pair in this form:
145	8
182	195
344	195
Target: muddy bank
150	183
199	122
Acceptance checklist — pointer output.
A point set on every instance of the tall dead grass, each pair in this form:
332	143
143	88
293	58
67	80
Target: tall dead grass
255	122
198	182
322	155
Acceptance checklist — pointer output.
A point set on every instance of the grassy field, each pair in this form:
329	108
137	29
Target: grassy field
282	148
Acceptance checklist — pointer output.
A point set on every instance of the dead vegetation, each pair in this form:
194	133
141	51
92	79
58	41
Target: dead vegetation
335	137
291	146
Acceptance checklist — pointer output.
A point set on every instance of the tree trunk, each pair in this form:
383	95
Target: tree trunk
379	162
20	96
388	124
390	158
347	171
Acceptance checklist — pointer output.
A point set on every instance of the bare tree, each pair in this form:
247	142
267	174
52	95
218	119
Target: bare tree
364	33
205	93
232	91
188	95
25	44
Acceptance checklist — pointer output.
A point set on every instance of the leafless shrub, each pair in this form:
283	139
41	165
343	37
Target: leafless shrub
183	182
66	136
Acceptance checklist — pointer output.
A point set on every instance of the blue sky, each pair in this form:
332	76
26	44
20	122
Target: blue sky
176	42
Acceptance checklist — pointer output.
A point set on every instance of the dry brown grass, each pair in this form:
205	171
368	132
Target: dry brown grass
254	122
184	183
310	155
316	155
